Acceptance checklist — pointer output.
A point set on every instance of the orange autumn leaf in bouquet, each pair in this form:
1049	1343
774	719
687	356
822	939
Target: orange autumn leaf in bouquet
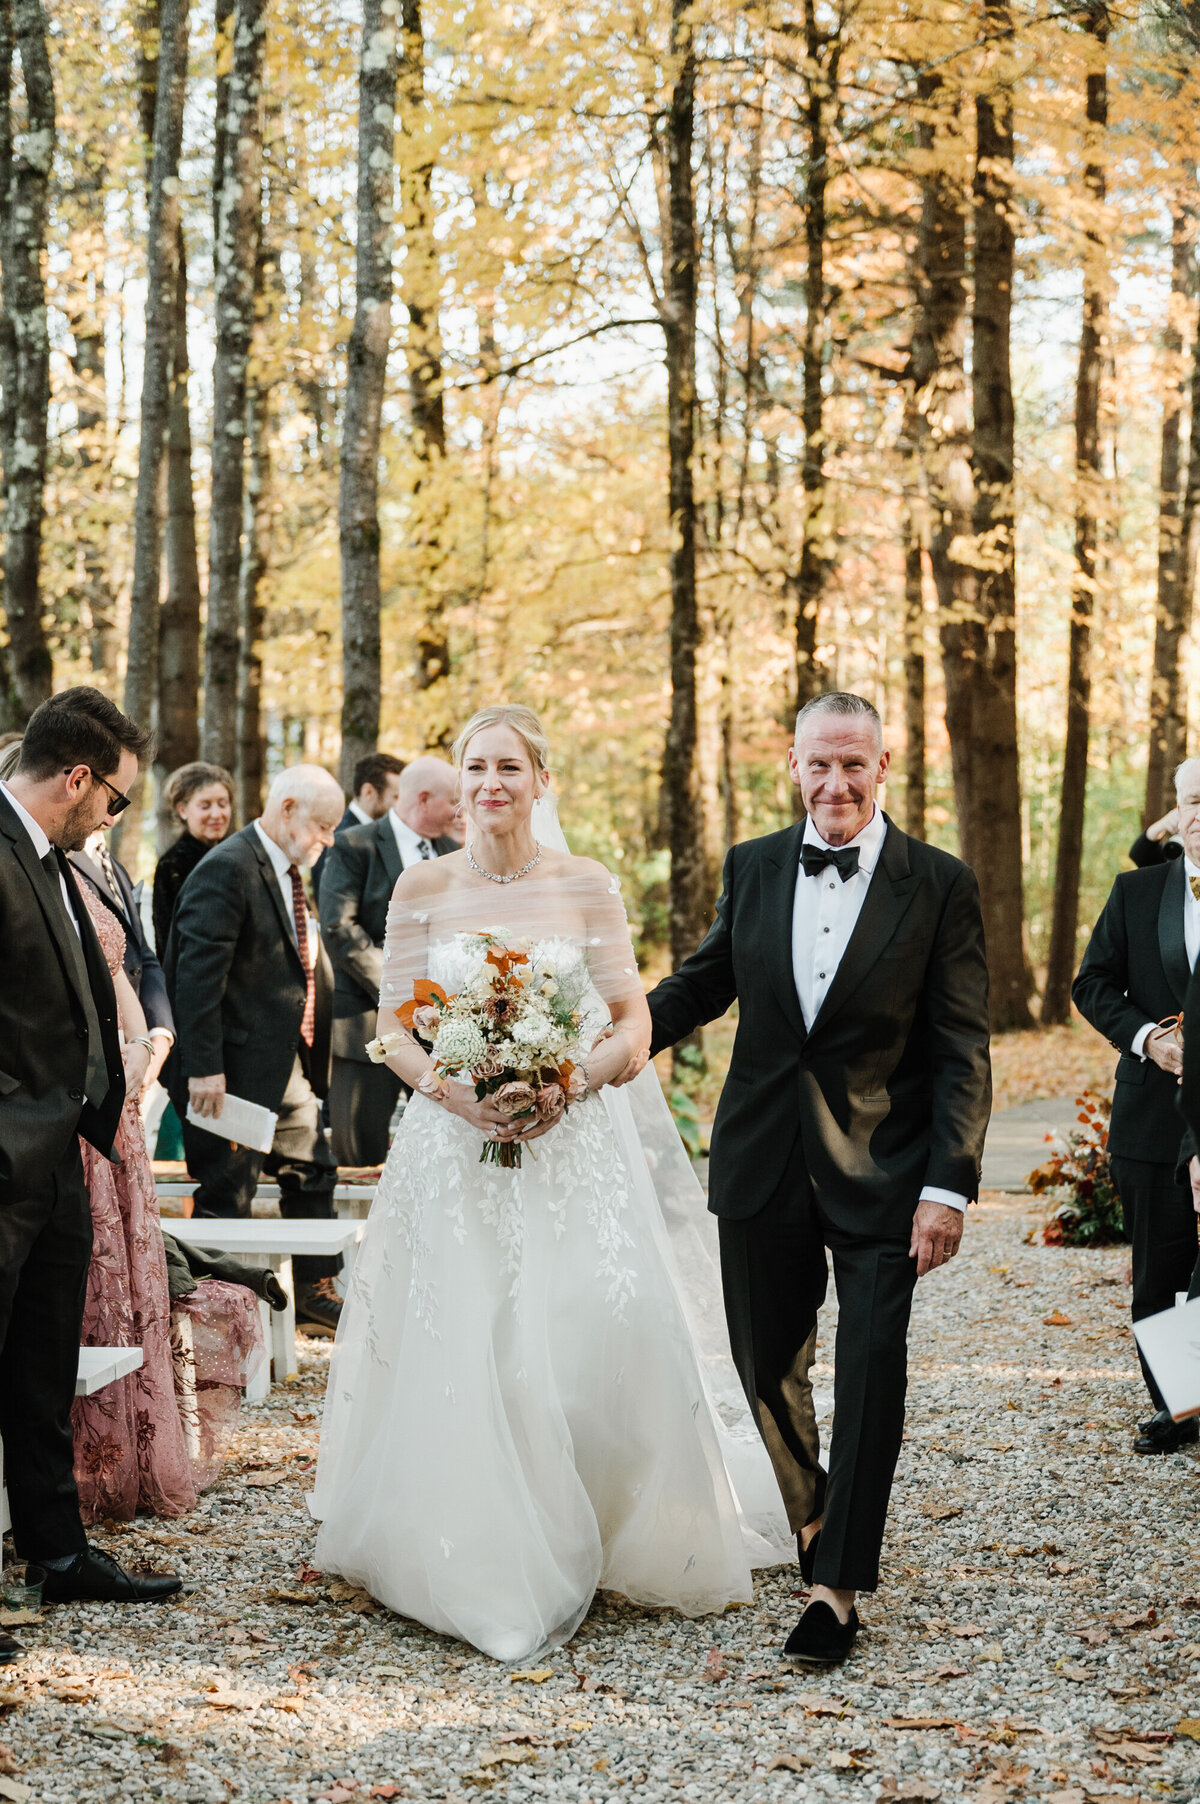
425	994
505	959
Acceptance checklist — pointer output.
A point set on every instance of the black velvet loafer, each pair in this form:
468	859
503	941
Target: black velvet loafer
10	1650
819	1639
95	1577
1162	1435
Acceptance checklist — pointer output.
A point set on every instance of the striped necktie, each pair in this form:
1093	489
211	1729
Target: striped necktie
300	917
104	860
424	848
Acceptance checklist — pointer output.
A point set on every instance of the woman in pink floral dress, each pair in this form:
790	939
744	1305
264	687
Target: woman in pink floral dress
131	1452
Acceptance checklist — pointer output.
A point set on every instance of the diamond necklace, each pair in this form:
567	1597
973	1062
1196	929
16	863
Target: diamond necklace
512	876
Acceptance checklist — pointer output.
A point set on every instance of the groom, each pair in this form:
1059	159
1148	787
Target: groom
851	1123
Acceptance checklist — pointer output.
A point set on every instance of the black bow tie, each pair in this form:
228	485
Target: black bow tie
843	858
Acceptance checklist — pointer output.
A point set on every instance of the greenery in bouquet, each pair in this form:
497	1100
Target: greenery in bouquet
511	1029
1076	1181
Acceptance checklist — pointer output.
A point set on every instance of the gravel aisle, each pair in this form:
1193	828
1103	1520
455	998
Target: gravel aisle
1038	1634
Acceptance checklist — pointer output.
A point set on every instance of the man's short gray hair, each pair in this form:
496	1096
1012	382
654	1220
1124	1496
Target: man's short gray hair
303	783
841	701
1183	771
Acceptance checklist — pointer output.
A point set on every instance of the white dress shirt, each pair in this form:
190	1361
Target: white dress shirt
825	912
281	864
1191	939
360	814
41	846
408	843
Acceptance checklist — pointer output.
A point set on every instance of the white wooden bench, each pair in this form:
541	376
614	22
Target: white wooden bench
271	1243
98	1367
351	1202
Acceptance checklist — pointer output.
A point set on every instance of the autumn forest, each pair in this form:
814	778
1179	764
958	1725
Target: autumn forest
659	364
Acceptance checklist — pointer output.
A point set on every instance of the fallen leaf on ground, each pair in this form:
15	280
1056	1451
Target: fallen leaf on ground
1134	1619
507	1757
942	1512
1190	1726
533	1675
16	1793
221	1699
922	1790
1056	1319
262	1479
848	1760
280	1596
385	1791
1162	1634
814	1704
1078	1674
13	1619
950	1672
8	1760
789	1763
1093	1637
715	1668
388	1672
968	1631
1074	1794
920	1722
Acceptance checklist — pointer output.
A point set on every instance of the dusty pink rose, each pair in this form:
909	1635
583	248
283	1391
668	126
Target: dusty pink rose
576	1085
515	1099
427	1019
490	1065
550	1101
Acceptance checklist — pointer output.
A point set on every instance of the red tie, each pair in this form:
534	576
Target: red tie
300	916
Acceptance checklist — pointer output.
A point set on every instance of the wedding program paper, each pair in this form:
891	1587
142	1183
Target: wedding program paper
1170	1342
244	1123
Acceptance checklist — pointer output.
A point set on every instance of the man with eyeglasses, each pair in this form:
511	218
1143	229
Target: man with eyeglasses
61	1075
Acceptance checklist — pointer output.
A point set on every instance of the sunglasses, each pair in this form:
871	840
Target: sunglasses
119	802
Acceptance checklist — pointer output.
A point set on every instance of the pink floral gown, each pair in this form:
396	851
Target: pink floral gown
131	1450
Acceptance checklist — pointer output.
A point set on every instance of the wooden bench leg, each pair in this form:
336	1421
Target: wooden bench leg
283	1324
259	1386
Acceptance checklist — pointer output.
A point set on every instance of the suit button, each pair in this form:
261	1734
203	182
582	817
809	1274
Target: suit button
75	1095
81	1033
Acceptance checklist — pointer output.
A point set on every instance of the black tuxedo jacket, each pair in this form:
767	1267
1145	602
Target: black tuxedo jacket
142	968
361	869
890	1089
1146	851
43	1021
236	981
349	819
1136	970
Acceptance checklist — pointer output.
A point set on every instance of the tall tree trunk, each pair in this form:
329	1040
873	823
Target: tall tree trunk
235	259
179	642
1168	709
943	403
688	901
1189	524
256	561
1064	919
823	55
358	486
96	598
914	629
141	670
26	157
991	823
421	283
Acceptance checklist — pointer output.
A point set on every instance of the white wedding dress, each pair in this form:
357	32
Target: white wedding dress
516	1413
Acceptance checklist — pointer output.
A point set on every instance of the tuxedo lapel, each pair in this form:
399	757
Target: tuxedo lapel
389	851
49	898
267	873
780	871
1172	940
891	890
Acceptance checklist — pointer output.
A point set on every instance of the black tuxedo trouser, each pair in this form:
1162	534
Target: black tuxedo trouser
45	1250
774	1273
300	1161
362	1101
1160	1219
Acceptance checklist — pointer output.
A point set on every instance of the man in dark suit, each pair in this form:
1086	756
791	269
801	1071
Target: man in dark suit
111	882
251	986
63	1074
376	779
852	1119
1158	843
1134	976
360	874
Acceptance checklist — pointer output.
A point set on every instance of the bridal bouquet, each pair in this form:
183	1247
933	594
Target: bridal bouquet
508	1029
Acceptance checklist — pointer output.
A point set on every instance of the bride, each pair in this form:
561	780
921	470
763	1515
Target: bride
516	1415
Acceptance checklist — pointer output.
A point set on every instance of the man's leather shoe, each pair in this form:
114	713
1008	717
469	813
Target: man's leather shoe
819	1638
1161	1435
808	1557
319	1306
95	1577
10	1650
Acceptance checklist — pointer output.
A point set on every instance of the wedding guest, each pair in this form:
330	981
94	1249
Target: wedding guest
201	795
376	778
112	886
1159	843
1134	978
250	984
360	874
63	1076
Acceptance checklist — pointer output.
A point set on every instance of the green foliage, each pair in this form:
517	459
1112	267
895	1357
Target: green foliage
1085	1210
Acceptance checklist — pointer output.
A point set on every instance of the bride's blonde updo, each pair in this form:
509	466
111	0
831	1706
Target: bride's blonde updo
524	723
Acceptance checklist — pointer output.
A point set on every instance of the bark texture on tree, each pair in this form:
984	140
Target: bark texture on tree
94	592
179	638
823	54
689	902
256	562
1089	474
1168	708
367	352
235	260
162	274
26	160
990	822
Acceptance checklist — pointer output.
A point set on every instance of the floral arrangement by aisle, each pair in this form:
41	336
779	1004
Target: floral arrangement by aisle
1077	1181
509	1030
